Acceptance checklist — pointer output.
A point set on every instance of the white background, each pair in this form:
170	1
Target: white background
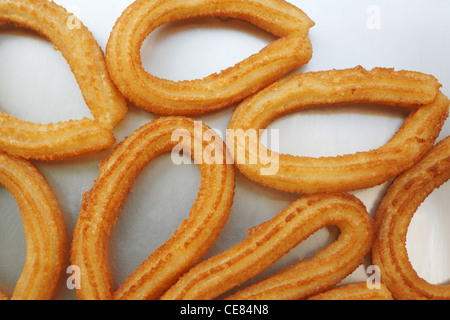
36	84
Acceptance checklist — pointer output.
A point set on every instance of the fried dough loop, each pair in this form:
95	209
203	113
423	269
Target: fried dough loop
43	226
217	91
102	204
69	138
269	241
361	170
392	221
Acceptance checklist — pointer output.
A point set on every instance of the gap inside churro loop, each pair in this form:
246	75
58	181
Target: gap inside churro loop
429	221
416	91
139	225
72	138
216	91
50	74
190	58
373	125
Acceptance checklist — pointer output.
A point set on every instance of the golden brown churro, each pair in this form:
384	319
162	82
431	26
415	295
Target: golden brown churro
393	218
420	92
188	244
216	91
70	138
43	226
269	241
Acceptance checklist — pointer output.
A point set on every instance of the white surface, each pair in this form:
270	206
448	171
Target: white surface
36	84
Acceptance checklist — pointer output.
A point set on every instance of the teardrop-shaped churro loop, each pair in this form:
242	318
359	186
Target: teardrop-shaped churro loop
417	91
216	91
269	241
43	226
393	218
192	239
70	138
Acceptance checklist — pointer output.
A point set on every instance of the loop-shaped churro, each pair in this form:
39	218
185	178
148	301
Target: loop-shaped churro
165	97
188	244
392	220
78	46
296	174
43	226
355	291
269	241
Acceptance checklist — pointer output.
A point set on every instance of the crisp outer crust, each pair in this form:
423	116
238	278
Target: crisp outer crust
269	241
70	138
392	221
216	91
102	204
420	92
43	226
355	291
